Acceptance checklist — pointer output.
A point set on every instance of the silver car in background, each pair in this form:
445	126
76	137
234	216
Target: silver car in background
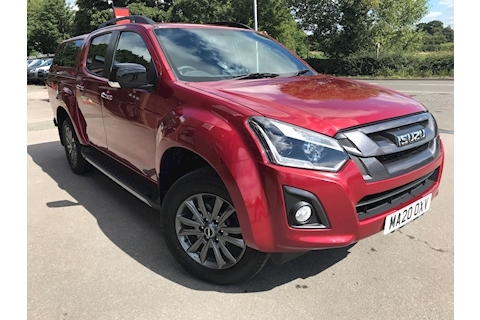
38	71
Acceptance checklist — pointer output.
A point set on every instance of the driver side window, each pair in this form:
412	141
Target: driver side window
132	49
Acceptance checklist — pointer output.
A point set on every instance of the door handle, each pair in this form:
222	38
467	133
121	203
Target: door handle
80	87
106	96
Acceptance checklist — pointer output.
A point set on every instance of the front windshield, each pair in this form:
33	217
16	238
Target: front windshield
47	62
204	54
37	63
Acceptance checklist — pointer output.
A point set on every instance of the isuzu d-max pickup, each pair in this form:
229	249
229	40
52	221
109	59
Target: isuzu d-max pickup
244	149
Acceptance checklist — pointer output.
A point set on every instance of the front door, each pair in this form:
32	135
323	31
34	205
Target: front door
130	114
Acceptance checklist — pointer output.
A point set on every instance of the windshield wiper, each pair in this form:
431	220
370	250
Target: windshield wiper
299	73
256	76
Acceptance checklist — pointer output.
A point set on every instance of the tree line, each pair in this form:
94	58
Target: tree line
337	28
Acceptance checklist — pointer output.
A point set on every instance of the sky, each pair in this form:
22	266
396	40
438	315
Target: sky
438	10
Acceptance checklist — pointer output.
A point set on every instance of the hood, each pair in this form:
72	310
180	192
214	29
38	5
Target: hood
322	103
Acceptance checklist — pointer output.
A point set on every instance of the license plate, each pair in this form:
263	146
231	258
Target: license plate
407	214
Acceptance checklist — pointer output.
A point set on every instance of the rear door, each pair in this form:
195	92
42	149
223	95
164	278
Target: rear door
62	75
90	82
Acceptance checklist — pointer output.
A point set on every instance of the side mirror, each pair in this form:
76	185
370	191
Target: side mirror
131	75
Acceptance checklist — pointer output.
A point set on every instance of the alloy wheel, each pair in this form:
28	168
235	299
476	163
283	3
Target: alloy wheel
208	231
71	145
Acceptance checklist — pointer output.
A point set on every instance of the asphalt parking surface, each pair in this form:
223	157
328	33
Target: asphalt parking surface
97	252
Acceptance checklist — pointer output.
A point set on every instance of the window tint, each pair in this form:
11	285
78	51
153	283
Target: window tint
37	63
67	53
57	60
96	54
132	49
198	54
47	62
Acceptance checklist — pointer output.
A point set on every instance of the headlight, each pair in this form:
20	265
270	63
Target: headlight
292	146
33	70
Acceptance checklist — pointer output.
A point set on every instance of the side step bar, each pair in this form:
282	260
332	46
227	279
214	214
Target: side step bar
144	193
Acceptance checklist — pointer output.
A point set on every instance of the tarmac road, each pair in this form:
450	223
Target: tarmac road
436	95
96	252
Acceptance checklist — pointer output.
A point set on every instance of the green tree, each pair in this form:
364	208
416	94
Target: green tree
91	13
48	23
200	11
274	17
435	35
448	33
394	24
432	27
33	15
153	13
435	28
165	4
338	27
343	27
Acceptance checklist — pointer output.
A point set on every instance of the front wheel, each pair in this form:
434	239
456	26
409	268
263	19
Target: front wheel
202	231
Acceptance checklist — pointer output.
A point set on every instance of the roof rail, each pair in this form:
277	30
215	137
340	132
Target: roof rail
134	18
231	24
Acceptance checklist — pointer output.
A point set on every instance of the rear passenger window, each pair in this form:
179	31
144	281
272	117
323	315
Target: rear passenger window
96	54
57	60
67	54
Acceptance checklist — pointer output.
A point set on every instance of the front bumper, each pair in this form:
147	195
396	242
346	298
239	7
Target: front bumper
42	75
341	196
32	76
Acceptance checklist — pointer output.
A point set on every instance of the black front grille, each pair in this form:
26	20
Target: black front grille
386	159
374	204
375	151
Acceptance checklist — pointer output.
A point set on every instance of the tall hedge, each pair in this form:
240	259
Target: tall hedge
387	65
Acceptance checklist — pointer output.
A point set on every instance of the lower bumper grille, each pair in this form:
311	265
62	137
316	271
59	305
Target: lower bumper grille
375	204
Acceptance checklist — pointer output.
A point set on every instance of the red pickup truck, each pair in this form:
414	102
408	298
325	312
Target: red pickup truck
245	150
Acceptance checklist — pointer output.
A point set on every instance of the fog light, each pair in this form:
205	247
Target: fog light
303	214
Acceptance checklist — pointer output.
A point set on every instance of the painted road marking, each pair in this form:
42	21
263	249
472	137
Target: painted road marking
425	91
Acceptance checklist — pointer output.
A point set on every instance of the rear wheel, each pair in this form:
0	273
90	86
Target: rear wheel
203	233
77	162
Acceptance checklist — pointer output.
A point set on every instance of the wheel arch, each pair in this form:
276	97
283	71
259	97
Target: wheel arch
215	142
68	107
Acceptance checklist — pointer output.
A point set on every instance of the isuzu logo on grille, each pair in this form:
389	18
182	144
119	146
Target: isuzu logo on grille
411	137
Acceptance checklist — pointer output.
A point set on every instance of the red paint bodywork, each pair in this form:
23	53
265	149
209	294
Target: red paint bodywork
210	119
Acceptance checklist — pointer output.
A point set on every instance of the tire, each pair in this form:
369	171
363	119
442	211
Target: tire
77	162
208	245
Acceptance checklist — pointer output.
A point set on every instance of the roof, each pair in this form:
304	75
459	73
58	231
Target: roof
79	37
147	21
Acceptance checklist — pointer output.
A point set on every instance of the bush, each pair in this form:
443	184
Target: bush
446	46
387	65
316	55
34	53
